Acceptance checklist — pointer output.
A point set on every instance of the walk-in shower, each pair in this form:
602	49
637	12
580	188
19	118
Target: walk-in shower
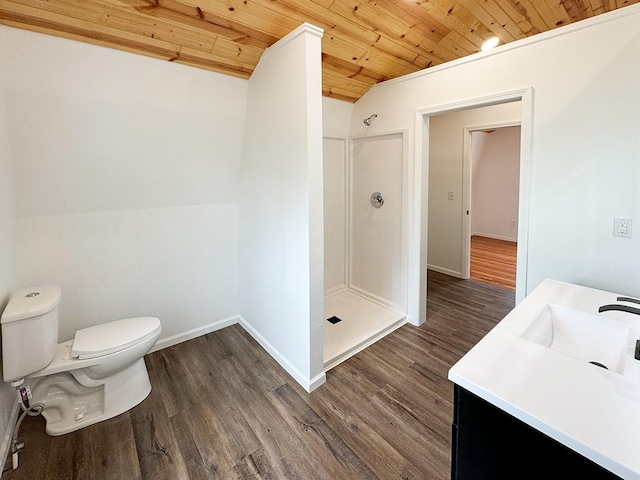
365	242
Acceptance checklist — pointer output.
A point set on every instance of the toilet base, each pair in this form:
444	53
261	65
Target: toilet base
70	406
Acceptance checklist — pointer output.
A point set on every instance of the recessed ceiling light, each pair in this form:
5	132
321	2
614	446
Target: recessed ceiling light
489	44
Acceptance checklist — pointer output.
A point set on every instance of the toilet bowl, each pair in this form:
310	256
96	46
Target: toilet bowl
99	374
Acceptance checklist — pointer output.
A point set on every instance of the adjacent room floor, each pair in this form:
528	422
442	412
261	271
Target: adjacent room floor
221	407
358	323
493	261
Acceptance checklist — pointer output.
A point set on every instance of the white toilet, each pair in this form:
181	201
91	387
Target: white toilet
97	375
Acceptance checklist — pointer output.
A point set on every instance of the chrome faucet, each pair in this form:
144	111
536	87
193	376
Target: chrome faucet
621	308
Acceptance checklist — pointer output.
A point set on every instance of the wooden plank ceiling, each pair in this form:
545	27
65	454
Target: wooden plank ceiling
365	41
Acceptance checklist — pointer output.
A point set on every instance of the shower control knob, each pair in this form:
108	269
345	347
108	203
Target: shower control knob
377	200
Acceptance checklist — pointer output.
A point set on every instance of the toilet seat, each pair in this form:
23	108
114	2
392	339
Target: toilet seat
113	336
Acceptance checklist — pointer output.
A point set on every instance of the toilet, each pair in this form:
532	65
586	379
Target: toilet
99	374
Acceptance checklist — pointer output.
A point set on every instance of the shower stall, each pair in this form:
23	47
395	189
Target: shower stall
365	225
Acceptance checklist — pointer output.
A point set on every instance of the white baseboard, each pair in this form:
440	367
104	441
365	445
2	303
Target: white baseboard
316	381
446	271
8	434
495	237
412	321
193	333
308	384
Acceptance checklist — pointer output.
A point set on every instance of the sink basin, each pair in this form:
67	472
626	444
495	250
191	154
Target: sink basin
583	336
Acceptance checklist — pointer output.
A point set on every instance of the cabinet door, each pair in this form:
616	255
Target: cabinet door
488	443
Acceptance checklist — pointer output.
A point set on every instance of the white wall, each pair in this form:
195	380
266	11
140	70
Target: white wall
376	255
126	173
446	158
8	228
495	157
281	219
336	117
585	144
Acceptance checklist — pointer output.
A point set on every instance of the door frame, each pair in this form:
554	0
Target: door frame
467	180
417	310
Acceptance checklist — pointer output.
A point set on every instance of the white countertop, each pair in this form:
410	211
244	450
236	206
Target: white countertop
594	411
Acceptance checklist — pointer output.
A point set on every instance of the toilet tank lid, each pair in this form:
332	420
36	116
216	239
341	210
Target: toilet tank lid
31	302
113	336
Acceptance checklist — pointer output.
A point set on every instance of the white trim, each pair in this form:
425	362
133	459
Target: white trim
540	37
419	221
475	102
308	384
194	333
302	29
345	141
467	180
418	229
316	381
493	125
524	194
8	434
347	211
446	271
335	137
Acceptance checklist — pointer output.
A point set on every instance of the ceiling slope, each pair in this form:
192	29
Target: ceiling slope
365	41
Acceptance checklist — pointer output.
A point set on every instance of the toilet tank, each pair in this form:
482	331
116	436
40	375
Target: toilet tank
29	331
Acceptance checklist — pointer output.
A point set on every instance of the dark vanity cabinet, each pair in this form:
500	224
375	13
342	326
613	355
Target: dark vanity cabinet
488	443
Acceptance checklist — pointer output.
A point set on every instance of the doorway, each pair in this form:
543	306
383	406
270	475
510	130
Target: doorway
492	167
422	195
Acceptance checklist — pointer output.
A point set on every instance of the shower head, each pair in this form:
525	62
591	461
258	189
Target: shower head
367	121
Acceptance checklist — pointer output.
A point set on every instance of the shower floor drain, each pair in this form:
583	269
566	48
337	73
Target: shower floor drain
334	320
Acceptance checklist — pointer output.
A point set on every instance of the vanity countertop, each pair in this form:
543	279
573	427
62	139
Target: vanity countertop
594	411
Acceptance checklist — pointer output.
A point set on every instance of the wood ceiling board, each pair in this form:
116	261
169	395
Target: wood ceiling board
207	20
128	20
365	41
350	70
559	13
529	12
389	29
244	13
346	84
458	19
252	38
418	18
70	27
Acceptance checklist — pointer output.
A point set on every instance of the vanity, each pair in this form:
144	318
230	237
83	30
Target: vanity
553	391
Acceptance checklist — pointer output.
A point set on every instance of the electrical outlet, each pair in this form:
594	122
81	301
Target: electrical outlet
622	227
450	194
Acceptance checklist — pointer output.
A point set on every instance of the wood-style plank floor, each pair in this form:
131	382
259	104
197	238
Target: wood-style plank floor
222	408
493	261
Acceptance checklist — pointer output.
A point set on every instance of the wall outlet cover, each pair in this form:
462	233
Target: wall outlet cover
622	227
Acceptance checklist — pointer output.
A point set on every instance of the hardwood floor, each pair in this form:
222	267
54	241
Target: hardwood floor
493	261
221	407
